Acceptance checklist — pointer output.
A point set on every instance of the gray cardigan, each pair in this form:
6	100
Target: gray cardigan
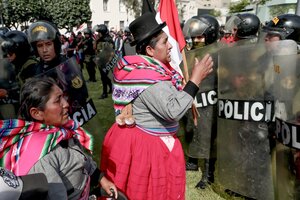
161	105
67	169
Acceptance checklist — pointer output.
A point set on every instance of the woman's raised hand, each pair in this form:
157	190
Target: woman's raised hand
201	69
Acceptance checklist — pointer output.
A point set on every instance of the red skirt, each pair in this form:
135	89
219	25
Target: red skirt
142	166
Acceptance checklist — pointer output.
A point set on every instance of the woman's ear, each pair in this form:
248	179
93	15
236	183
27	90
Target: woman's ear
149	51
37	114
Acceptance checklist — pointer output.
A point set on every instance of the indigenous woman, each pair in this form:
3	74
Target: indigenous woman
46	141
146	160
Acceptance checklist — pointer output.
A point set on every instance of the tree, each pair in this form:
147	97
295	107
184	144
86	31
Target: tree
68	13
18	12
64	13
239	6
216	13
281	9
134	6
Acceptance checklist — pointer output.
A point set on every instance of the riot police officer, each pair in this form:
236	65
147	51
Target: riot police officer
89	54
127	48
19	53
9	86
248	26
104	47
243	26
286	26
44	38
4	30
202	30
244	159
285	93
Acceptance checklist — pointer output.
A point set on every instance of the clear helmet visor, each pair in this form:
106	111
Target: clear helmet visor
232	23
194	27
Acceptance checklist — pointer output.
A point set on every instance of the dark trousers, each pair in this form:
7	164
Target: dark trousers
106	82
91	69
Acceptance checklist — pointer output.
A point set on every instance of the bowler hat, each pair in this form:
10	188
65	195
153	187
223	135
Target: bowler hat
144	27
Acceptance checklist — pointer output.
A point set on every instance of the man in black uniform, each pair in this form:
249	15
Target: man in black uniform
89	54
45	40
104	47
19	53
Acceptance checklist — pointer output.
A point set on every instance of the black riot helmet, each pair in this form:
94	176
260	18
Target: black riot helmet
43	30
17	43
287	26
202	25
212	32
247	26
102	28
88	31
127	31
3	30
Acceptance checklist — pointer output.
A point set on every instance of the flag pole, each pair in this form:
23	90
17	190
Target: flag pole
186	77
185	68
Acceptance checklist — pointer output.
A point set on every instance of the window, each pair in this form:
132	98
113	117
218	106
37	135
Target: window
106	23
122	25
105	5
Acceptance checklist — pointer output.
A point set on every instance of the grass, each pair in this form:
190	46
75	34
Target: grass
100	124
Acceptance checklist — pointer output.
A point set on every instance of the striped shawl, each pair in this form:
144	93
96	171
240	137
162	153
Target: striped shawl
134	74
23	143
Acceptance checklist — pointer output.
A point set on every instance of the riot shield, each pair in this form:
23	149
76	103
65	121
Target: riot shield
106	58
70	79
287	126
205	131
245	107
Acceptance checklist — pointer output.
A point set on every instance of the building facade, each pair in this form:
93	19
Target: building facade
114	14
263	11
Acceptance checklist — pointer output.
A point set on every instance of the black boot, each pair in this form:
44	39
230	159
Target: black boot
103	96
207	174
191	164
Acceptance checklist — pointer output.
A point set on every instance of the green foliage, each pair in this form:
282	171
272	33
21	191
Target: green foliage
281	9
64	13
239	6
15	12
134	6
215	13
261	2
68	13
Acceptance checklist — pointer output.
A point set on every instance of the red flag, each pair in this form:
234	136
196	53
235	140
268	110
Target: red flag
167	12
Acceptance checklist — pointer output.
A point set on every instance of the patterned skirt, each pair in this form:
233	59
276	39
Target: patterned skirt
142	166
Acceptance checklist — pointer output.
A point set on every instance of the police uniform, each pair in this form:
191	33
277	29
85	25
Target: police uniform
65	71
202	30
105	53
89	54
